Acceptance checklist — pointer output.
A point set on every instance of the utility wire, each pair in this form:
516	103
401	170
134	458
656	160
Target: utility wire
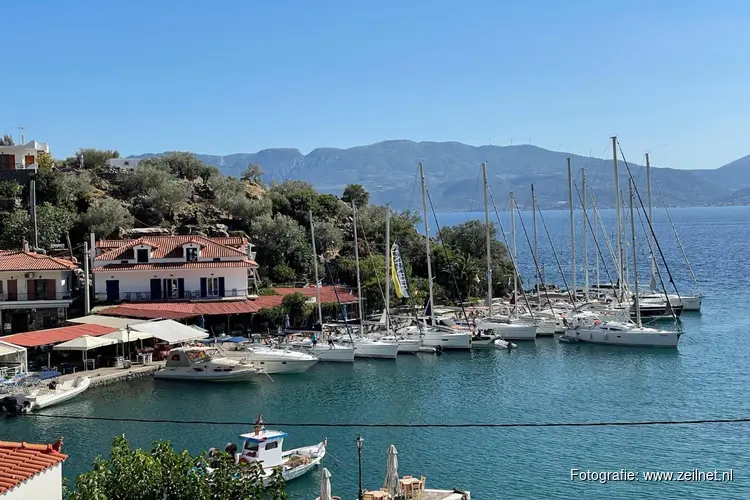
634	423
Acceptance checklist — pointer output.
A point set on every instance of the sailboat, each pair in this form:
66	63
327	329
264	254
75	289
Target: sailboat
590	329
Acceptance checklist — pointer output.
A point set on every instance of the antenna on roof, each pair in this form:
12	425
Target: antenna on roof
20	134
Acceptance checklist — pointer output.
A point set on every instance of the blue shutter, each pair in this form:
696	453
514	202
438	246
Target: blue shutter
155	289
181	288
204	291
221	287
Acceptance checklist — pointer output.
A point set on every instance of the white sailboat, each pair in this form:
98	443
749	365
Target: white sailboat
619	333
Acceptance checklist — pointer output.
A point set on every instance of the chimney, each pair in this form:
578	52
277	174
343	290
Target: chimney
25	245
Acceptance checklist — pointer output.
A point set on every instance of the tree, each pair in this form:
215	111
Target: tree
281	240
166	199
44	160
165	474
253	173
105	216
294	199
328	238
356	193
144	177
91	158
183	165
296	306
52	224
7	140
10	189
230	195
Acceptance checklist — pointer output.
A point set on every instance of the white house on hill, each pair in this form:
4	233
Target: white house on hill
22	157
189	267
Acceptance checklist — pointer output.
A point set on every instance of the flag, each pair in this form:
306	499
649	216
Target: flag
398	274
427	307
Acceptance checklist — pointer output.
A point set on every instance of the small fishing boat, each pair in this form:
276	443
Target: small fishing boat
38	397
266	446
205	364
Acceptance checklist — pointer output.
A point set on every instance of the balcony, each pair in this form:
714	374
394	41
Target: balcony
28	297
232	293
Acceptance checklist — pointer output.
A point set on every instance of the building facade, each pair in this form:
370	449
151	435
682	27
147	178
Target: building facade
123	163
22	157
174	268
35	290
30	471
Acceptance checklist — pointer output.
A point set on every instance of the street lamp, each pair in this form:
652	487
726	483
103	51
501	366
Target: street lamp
360	444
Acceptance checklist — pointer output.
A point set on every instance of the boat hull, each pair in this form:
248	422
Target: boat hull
69	390
512	331
233	376
284	366
379	350
629	339
314	453
483	341
447	341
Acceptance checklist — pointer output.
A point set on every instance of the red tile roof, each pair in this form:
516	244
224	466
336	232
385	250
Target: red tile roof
20	462
231	241
57	335
175	265
17	260
180	310
171	247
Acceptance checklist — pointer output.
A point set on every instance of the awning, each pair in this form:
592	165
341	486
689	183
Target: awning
85	343
14	354
124	336
57	335
96	319
170	331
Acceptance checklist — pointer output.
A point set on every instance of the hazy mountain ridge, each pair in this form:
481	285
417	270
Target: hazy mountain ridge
389	171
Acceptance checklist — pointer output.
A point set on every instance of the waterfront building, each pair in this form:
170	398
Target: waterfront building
31	471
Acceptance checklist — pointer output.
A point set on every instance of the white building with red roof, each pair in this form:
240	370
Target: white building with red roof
177	267
30	471
35	290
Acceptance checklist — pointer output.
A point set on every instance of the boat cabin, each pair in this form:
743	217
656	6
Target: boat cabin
187	357
263	446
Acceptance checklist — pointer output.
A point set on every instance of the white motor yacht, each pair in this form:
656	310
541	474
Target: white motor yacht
205	364
44	395
324	351
270	359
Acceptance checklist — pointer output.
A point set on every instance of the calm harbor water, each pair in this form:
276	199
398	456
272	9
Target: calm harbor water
706	377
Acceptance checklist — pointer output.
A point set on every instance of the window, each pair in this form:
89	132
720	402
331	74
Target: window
272	445
40	289
212	287
142	255
191	254
7	162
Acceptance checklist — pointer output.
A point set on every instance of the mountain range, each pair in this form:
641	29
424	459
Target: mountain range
388	170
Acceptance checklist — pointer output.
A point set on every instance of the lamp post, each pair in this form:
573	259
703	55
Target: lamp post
360	444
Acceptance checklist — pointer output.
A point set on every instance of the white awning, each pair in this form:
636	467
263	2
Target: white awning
13	354
124	336
84	343
114	322
170	331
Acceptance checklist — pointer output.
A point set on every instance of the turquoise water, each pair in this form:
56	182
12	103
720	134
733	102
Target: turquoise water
706	377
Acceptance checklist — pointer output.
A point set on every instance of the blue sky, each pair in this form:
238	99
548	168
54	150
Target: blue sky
238	76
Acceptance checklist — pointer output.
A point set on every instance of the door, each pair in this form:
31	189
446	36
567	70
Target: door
155	289
113	290
12	289
29	160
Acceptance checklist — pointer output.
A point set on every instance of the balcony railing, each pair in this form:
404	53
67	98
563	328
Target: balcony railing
174	296
23	297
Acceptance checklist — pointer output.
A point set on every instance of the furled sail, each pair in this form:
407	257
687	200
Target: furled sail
398	273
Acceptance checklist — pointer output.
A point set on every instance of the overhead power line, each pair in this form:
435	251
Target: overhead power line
405	426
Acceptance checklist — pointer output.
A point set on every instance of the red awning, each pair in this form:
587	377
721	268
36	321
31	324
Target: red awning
57	335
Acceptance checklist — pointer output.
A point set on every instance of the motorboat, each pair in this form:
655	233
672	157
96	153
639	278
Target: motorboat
205	364
266	447
480	340
40	396
325	351
270	359
590	329
504	344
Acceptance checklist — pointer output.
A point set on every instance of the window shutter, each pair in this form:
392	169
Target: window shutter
30	290
221	287
181	288
204	292
155	289
51	292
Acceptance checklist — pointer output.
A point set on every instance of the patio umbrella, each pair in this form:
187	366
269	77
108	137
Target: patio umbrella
391	476
325	485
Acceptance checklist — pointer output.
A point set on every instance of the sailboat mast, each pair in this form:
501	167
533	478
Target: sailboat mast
427	243
356	258
652	281
387	267
617	212
635	262
585	236
596	238
572	230
489	241
515	253
315	267
536	247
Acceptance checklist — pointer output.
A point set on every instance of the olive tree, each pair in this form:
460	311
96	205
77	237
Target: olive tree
105	216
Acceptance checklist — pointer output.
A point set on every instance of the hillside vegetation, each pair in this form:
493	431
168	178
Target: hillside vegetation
179	192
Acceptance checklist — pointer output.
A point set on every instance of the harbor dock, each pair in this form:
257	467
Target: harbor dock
110	375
